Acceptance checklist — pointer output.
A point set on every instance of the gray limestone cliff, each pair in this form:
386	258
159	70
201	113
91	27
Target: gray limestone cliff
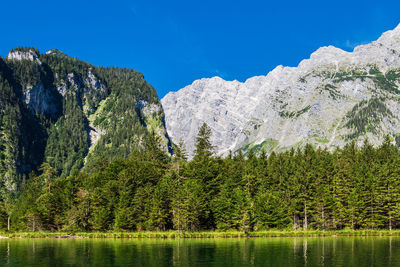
327	100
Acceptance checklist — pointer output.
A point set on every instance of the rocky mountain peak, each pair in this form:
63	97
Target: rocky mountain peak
23	54
328	52
328	100
54	51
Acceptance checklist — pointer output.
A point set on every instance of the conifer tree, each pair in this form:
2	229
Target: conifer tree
154	151
180	151
204	148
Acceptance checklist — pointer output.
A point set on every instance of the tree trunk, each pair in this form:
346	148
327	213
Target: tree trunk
390	224
294	222
8	223
305	224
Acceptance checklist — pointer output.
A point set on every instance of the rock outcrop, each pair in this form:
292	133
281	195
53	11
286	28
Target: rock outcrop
28	54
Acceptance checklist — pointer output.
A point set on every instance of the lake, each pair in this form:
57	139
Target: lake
319	251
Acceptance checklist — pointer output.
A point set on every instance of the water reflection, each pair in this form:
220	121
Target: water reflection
332	251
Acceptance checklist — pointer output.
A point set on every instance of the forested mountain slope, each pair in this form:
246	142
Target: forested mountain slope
66	112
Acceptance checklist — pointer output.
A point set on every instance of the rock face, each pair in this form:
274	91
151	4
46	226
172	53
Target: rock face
328	100
39	100
24	55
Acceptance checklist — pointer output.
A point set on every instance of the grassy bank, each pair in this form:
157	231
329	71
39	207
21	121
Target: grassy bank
210	234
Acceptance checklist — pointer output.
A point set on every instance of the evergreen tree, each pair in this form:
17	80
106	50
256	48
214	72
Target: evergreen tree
154	151
204	148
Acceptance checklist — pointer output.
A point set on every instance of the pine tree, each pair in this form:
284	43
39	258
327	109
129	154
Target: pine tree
180	152
271	211
189	207
154	151
389	184
204	148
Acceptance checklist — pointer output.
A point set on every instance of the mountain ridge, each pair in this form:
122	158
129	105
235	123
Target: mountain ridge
289	99
68	113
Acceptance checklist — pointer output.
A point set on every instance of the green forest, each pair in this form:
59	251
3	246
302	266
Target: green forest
50	106
349	188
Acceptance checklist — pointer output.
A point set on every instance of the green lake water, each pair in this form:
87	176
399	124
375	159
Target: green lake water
323	251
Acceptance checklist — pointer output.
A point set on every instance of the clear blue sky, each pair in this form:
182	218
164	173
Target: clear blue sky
175	42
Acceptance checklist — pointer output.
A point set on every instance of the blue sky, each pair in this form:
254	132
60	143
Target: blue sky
175	42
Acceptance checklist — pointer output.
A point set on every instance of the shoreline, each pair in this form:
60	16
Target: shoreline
199	235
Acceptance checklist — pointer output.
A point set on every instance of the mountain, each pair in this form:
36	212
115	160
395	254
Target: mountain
327	100
66	112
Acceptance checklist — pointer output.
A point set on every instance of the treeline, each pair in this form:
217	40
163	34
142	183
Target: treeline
353	188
